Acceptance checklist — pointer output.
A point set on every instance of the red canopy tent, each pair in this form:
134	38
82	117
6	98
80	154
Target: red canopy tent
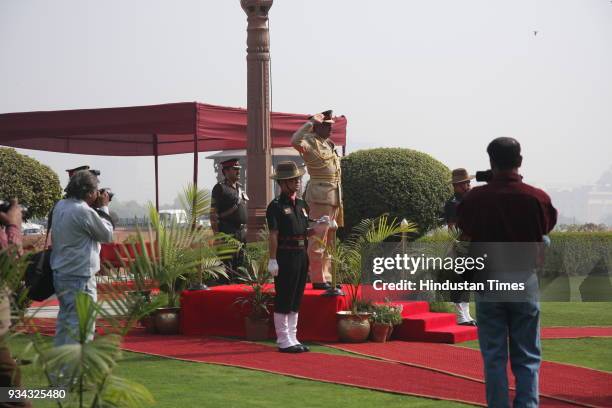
154	130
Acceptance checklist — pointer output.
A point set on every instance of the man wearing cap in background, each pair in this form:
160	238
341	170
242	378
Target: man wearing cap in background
287	217
323	193
72	171
461	298
228	208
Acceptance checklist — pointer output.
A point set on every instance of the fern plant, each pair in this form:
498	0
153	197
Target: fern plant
86	368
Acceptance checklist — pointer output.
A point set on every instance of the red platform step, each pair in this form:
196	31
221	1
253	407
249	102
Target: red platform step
419	324
214	312
450	334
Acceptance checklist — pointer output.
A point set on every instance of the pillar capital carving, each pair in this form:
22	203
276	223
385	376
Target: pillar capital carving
258	9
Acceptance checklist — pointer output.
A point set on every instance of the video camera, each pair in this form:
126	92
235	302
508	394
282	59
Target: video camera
6	205
484	176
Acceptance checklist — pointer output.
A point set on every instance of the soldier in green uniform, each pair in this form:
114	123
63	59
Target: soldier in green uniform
228	208
287	217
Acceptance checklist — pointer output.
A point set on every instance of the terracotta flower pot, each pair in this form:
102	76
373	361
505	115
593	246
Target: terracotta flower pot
353	328
380	332
391	327
167	320
256	329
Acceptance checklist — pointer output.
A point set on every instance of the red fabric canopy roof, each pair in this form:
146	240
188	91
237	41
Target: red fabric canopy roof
145	130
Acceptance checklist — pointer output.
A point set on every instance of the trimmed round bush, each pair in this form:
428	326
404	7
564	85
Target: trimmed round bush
34	184
404	183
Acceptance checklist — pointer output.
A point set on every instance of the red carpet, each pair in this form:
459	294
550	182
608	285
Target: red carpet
575	332
560	381
45	303
380	375
372	374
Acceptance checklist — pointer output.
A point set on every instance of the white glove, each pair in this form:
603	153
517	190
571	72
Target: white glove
321	225
273	267
324	220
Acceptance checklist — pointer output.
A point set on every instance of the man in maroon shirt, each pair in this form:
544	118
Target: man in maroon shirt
506	210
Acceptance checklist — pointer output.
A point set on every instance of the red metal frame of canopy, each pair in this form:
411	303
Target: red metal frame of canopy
154	130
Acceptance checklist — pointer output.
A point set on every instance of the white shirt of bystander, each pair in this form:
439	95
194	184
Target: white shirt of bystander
76	233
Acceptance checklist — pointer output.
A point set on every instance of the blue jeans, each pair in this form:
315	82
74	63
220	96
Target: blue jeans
67	327
513	326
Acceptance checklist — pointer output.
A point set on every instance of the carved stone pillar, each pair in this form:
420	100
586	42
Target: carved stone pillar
258	107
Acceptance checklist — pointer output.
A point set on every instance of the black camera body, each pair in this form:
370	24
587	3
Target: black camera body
107	190
6	205
484	176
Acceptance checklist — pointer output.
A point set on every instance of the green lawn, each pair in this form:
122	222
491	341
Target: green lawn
590	352
183	384
572	313
576	314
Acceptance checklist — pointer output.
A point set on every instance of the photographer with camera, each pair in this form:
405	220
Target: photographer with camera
508	211
101	212
77	231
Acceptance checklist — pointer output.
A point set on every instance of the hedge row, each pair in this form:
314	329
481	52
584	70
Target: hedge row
570	253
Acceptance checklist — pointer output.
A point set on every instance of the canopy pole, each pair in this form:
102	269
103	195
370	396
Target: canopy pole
195	160
195	177
156	174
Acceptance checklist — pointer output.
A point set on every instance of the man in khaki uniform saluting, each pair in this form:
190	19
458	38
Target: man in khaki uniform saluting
323	193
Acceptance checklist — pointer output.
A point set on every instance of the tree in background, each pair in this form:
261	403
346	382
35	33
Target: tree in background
403	183
34	184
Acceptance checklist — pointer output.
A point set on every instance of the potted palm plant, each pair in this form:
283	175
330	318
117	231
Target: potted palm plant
346	257
178	251
258	302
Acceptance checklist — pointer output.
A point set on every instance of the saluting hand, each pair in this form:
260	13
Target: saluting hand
317	118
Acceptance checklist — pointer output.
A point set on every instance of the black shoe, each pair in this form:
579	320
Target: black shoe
321	286
470	323
304	347
291	349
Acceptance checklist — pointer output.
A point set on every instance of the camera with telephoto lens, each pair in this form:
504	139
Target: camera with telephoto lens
6	205
108	191
484	176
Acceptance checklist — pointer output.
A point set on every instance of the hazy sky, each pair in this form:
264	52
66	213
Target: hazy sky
440	76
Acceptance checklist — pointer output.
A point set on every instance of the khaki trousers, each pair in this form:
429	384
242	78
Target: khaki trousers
320	264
